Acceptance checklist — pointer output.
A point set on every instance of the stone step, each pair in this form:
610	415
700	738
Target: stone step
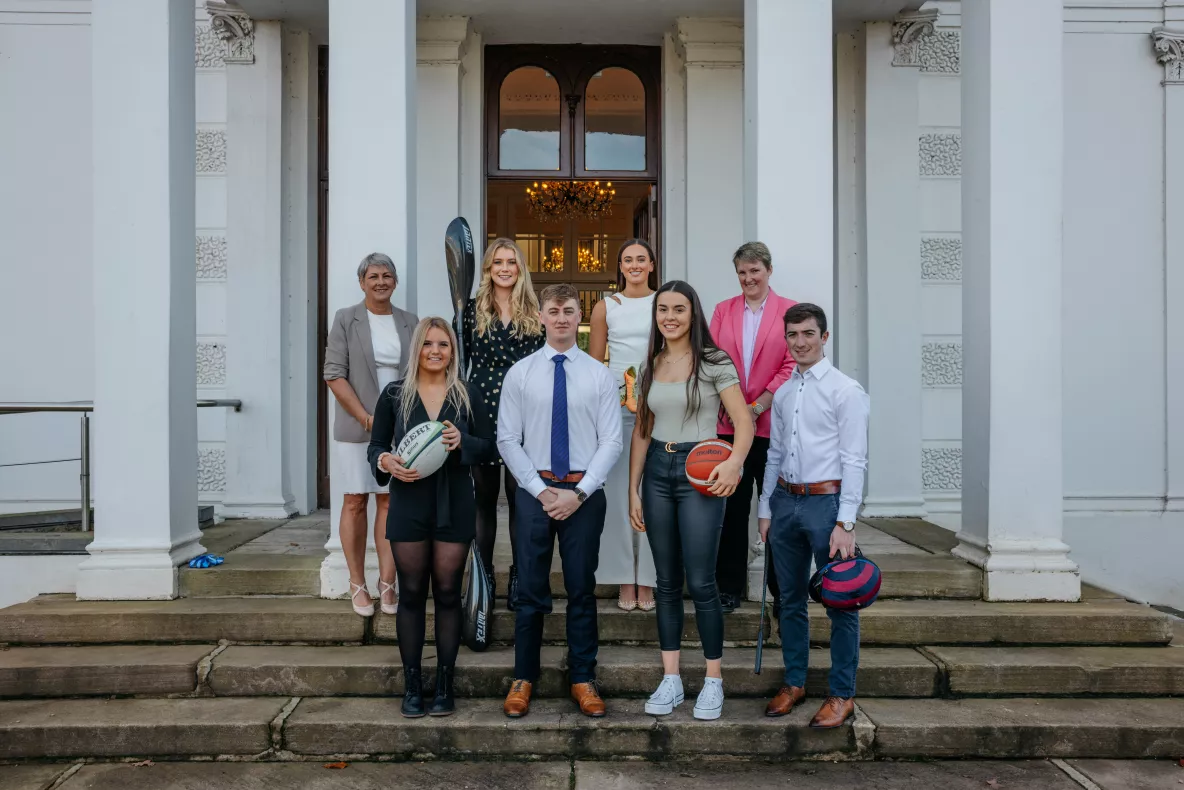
254	574
136	727
554	728
622	672
1027	727
1013	671
100	670
61	619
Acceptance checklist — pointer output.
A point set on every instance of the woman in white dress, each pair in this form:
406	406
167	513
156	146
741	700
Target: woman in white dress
621	327
367	349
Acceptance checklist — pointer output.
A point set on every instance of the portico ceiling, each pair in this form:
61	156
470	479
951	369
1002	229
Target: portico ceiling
569	21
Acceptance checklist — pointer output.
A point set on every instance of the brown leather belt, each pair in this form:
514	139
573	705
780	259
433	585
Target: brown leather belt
572	477
811	489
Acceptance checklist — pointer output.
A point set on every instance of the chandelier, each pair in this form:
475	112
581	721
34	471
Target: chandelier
586	261
550	201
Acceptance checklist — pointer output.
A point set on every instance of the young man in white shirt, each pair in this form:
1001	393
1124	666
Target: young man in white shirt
812	492
559	434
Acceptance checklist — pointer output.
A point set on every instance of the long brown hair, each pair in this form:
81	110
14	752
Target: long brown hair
457	392
703	349
523	301
652	282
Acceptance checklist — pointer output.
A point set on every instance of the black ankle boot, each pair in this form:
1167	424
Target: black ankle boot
412	693
444	704
512	593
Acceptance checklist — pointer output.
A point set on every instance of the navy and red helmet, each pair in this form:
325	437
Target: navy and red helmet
846	584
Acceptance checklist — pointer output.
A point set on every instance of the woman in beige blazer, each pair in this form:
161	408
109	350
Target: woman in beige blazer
368	347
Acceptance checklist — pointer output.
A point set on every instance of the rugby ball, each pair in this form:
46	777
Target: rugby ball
422	449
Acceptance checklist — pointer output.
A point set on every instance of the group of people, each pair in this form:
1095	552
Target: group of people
594	455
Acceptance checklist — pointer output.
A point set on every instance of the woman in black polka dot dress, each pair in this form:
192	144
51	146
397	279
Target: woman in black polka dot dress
501	326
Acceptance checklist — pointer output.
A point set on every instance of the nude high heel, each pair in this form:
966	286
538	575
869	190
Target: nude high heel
383	589
362	611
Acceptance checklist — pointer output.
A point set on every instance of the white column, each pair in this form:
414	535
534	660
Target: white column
472	134
1012	117
673	215
713	54
893	185
789	144
1169	48
145	446
439	50
257	364
371	176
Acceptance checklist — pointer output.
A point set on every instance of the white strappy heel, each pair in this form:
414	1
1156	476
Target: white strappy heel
383	589
363	611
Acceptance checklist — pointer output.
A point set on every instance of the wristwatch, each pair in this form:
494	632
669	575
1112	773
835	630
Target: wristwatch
580	495
757	408
848	526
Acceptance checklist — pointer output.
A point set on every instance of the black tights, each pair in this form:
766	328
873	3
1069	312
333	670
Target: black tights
487	481
444	563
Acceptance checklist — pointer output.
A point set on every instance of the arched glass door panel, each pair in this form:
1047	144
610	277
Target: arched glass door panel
529	120
615	121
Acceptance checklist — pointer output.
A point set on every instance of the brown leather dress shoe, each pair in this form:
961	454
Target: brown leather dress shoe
786	698
588	698
517	702
834	713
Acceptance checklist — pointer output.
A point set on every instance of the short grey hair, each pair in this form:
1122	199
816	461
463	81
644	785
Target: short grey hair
754	252
378	259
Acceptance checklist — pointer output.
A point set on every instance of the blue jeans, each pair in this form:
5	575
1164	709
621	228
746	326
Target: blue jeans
579	551
683	527
800	531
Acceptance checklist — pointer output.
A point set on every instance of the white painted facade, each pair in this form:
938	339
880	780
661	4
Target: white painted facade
988	203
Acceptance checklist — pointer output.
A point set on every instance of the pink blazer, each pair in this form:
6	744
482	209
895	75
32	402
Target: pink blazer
771	360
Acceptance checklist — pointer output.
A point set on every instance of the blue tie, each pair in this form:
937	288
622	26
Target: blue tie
560	460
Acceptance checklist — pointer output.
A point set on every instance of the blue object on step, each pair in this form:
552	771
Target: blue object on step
206	561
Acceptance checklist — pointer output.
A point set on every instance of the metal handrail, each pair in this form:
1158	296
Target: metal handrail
86	407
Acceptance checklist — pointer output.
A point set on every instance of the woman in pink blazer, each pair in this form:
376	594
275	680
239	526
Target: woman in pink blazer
749	328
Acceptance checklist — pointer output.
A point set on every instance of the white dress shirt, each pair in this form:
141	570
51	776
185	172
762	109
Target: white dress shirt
819	432
752	326
593	418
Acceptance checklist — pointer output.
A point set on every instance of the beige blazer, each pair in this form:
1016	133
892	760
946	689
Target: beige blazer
349	355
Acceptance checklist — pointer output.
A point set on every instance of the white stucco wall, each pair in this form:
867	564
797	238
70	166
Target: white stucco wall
45	248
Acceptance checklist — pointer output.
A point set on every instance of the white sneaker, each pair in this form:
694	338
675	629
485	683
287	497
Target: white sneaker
668	696
711	699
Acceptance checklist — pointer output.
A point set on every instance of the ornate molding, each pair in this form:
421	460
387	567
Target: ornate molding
211	151
1169	50
907	31
231	24
211	471
941	259
441	40
940	154
211	257
941	468
941	53
211	364
710	43
208	48
941	365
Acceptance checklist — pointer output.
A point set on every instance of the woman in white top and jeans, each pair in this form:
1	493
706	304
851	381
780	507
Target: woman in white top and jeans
621	326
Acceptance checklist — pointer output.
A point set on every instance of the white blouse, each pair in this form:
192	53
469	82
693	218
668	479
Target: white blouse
384	337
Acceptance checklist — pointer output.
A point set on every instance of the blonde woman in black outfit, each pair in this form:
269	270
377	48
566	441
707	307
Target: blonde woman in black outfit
501	326
431	521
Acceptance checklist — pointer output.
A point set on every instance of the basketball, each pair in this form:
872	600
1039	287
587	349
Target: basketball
703	459
422	449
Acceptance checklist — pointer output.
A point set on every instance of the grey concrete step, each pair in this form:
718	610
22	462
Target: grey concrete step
136	727
254	574
100	670
60	619
1027	727
622	672
554	728
1012	671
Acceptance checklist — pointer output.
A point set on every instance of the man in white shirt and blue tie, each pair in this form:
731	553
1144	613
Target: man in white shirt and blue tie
812	491
559	433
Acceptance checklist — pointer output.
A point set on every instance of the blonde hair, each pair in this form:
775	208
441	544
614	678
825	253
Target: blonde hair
524	303
457	393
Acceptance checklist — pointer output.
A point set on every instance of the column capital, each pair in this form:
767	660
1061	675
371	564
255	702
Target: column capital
907	31
1169	50
711	42
441	40
231	24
